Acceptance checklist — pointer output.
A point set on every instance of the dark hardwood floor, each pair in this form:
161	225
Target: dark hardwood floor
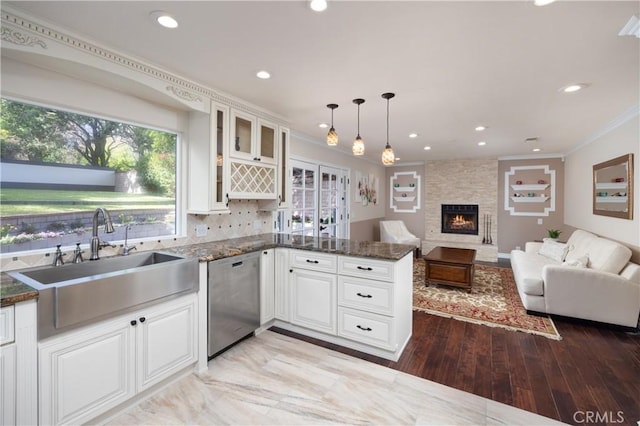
591	376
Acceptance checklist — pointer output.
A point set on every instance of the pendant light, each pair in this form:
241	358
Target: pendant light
358	143
388	156
332	136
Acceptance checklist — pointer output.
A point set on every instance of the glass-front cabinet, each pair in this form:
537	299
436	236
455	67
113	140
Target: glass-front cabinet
208	163
253	138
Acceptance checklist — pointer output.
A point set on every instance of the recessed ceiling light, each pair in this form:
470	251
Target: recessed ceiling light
536	150
323	125
318	5
542	2
413	135
427	148
263	75
572	88
164	19
482	143
481	128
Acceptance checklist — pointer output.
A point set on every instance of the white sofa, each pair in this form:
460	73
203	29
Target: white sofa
590	278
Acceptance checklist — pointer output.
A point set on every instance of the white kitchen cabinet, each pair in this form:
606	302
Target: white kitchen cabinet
313	300
253	138
208	170
18	358
281	276
8	384
267	286
283	175
358	302
86	372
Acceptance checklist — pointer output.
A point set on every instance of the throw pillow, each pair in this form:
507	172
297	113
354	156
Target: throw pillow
553	250
577	262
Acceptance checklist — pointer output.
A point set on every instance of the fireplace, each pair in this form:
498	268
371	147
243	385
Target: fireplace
459	219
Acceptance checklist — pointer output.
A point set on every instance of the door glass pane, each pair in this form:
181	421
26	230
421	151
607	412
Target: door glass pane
243	135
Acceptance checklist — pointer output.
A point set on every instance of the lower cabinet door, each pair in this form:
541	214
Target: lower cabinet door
314	300
8	384
166	340
372	329
86	374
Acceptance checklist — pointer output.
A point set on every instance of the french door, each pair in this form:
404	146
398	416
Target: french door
319	204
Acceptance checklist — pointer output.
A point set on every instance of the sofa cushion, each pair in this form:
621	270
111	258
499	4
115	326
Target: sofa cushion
604	254
527	271
553	250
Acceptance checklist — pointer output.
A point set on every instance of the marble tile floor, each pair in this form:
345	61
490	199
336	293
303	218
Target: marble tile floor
272	379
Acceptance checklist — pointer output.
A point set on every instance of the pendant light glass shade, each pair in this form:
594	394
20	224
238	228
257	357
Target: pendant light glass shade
332	136
358	143
388	157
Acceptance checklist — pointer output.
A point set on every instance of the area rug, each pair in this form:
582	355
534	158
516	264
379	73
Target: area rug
493	301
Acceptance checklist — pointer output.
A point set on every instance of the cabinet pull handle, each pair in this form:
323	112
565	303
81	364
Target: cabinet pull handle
364	328
133	322
227	203
279	200
312	261
362	268
366	296
257	159
264	252
142	319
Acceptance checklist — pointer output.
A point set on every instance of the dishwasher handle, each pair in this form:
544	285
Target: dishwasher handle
236	264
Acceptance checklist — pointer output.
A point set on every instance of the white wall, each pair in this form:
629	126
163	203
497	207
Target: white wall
579	178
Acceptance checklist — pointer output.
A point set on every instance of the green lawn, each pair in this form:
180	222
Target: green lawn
40	201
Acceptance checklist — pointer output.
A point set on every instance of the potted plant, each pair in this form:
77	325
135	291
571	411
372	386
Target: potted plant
554	234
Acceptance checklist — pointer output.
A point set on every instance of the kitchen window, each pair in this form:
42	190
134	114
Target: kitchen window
58	166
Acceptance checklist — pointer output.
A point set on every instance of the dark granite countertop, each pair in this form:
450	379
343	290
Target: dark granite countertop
13	291
215	250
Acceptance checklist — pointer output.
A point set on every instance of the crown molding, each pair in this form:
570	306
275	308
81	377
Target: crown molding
23	30
627	115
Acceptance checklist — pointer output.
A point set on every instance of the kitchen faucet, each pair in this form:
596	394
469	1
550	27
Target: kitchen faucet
108	228
126	248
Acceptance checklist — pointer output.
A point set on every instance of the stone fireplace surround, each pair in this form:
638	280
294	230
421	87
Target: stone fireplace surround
461	182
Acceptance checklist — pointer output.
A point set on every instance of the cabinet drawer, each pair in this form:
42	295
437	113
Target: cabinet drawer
368	295
314	261
366	268
371	329
7	325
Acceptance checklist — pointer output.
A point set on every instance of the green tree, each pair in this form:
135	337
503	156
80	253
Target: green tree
157	168
31	133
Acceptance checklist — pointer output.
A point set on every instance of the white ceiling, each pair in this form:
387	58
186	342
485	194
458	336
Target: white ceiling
453	65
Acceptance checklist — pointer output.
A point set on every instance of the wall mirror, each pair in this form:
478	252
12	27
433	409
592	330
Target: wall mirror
613	187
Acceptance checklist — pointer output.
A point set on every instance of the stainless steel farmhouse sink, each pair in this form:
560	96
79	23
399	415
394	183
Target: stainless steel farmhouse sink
78	294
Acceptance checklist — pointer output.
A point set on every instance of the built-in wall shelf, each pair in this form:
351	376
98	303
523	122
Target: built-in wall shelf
613	185
405	196
404	188
541	199
530	190
612	199
536	187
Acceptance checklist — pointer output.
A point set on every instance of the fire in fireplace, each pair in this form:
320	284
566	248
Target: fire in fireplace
459	219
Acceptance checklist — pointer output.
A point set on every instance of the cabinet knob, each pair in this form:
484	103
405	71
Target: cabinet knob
142	319
290	270
133	322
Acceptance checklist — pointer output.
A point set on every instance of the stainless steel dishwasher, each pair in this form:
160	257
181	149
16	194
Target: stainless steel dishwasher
234	300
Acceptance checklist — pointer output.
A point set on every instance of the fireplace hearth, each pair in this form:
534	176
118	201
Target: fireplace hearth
460	219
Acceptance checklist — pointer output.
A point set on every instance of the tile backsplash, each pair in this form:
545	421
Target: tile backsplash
243	219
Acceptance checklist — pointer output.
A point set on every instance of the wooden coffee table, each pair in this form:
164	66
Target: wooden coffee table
450	266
